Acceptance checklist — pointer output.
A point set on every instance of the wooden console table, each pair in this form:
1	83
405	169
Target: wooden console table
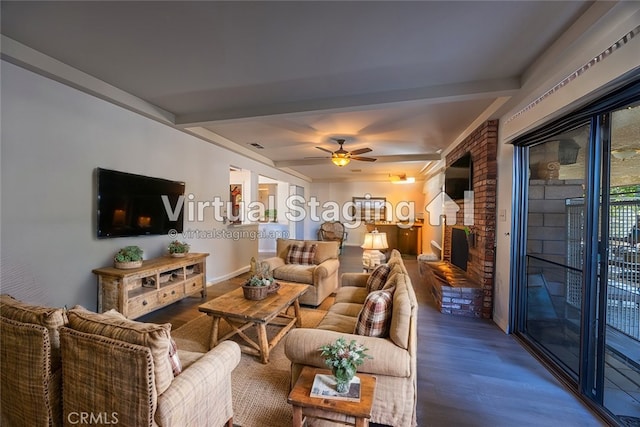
159	282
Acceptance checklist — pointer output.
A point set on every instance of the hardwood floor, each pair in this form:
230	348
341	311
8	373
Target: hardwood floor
469	372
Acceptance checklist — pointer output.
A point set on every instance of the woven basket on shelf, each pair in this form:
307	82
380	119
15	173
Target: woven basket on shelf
127	265
255	293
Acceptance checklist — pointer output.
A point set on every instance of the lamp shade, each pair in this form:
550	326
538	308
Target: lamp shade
375	240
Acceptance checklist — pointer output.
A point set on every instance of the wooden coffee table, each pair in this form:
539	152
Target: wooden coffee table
357	413
241	313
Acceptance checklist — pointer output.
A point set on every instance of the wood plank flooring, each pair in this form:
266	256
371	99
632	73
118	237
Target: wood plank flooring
469	372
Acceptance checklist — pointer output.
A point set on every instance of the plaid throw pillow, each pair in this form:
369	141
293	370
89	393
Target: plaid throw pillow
174	359
378	278
375	317
299	253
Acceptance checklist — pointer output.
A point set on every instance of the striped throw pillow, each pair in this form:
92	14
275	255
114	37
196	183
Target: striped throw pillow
375	317
378	278
299	253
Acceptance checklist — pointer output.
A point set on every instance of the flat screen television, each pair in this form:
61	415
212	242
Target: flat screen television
458	177
132	205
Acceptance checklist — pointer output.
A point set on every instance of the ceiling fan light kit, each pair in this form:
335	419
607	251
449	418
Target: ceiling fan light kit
342	157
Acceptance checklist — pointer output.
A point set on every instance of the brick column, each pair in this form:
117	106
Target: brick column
483	146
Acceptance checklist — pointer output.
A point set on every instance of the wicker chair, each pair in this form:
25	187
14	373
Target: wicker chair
333	231
30	364
106	371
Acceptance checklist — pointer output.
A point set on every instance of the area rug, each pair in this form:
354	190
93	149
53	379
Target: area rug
259	391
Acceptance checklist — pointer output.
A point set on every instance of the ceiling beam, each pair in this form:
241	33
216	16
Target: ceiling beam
380	159
427	95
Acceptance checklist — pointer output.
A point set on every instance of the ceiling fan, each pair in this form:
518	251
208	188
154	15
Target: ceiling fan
342	157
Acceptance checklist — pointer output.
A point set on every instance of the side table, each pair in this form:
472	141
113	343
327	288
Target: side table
354	413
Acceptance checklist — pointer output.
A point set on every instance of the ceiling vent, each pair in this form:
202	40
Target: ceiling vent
256	145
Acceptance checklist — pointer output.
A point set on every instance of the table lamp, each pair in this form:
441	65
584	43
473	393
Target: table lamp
373	242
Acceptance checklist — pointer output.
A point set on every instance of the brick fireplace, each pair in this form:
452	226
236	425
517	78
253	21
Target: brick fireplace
482	144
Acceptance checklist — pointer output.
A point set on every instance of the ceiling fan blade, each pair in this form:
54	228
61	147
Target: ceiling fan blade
318	157
360	151
324	149
364	159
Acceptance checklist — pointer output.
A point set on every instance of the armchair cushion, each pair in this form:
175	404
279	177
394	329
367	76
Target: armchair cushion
296	273
302	254
375	316
51	318
96	370
30	390
114	325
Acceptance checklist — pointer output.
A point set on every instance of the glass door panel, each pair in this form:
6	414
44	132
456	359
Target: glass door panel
621	386
555	244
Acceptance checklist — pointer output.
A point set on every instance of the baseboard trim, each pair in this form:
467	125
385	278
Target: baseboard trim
213	281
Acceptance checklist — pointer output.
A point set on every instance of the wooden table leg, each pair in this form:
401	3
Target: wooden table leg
297	416
263	342
213	339
296	310
362	422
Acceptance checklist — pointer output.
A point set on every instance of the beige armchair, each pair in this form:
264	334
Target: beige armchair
117	369
321	274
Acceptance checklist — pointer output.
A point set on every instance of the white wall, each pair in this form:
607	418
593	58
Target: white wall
53	137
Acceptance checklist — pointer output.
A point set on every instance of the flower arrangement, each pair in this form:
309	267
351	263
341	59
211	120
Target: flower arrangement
344	358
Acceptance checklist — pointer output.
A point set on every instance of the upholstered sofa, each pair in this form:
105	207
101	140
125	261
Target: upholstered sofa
66	367
310	262
393	347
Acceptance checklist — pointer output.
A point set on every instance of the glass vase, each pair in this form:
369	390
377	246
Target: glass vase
343	378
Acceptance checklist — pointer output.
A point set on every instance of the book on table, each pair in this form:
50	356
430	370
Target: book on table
324	387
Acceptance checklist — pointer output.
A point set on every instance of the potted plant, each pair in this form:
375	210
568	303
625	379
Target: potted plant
343	359
259	284
178	249
128	257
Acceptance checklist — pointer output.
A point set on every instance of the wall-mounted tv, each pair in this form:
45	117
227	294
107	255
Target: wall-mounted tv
132	205
458	177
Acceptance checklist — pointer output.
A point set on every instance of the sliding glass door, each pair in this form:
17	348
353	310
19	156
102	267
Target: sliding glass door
620	281
578	257
555	239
